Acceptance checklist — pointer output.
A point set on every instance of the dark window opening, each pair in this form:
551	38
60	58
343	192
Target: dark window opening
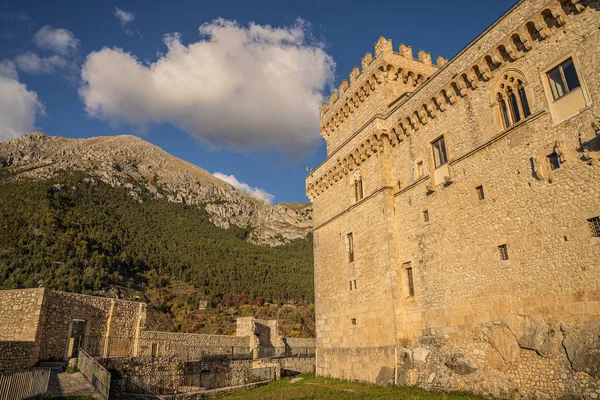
354	284
505	116
480	192
154	351
563	79
503	252
353	320
439	152
426	216
409	276
514	107
554	161
594	224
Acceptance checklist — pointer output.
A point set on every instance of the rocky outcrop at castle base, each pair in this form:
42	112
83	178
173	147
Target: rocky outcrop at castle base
520	357
131	162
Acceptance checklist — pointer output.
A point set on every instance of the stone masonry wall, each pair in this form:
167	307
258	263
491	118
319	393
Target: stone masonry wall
528	326
20	312
122	319
16	356
175	372
191	346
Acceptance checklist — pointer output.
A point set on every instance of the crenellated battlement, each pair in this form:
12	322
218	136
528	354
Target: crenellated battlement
397	72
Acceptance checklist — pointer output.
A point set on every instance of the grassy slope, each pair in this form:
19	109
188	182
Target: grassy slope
311	387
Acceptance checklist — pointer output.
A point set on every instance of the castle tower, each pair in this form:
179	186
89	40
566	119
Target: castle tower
382	82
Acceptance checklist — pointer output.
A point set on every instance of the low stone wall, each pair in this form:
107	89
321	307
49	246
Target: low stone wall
191	346
16	356
291	366
300	342
177	373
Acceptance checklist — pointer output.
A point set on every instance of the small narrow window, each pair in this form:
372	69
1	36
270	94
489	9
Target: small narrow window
350	285
154	351
594	224
503	250
358	189
439	152
505	116
353	320
480	192
420	171
354	284
524	102
514	107
409	276
350	247
554	161
426	216
563	79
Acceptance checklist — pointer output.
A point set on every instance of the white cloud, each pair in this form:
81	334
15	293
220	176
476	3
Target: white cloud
18	106
31	63
123	16
232	180
60	40
8	70
244	87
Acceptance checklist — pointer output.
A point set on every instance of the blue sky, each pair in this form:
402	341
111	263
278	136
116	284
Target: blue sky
240	98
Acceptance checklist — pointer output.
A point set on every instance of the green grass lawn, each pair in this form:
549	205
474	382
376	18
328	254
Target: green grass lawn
312	387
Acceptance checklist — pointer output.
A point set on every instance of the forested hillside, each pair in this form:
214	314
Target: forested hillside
76	233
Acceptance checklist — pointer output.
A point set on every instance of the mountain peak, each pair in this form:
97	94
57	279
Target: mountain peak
119	160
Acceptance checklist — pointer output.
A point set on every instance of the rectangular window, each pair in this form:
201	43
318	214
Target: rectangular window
503	250
358	190
439	152
420	171
594	224
480	192
426	216
554	161
154	351
409	276
350	247
350	285
563	79
353	320
354	284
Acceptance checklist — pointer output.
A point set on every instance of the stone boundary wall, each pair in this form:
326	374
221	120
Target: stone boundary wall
300	342
176	372
192	346
16	356
291	366
20	313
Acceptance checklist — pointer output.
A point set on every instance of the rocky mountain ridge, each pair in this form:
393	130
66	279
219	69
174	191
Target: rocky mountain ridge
129	161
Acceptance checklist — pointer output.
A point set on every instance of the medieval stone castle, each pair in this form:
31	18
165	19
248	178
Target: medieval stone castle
457	214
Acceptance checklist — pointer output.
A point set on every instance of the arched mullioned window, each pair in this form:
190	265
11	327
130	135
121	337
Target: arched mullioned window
511	98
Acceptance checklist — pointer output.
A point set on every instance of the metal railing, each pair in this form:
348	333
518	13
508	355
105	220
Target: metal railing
95	373
23	385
